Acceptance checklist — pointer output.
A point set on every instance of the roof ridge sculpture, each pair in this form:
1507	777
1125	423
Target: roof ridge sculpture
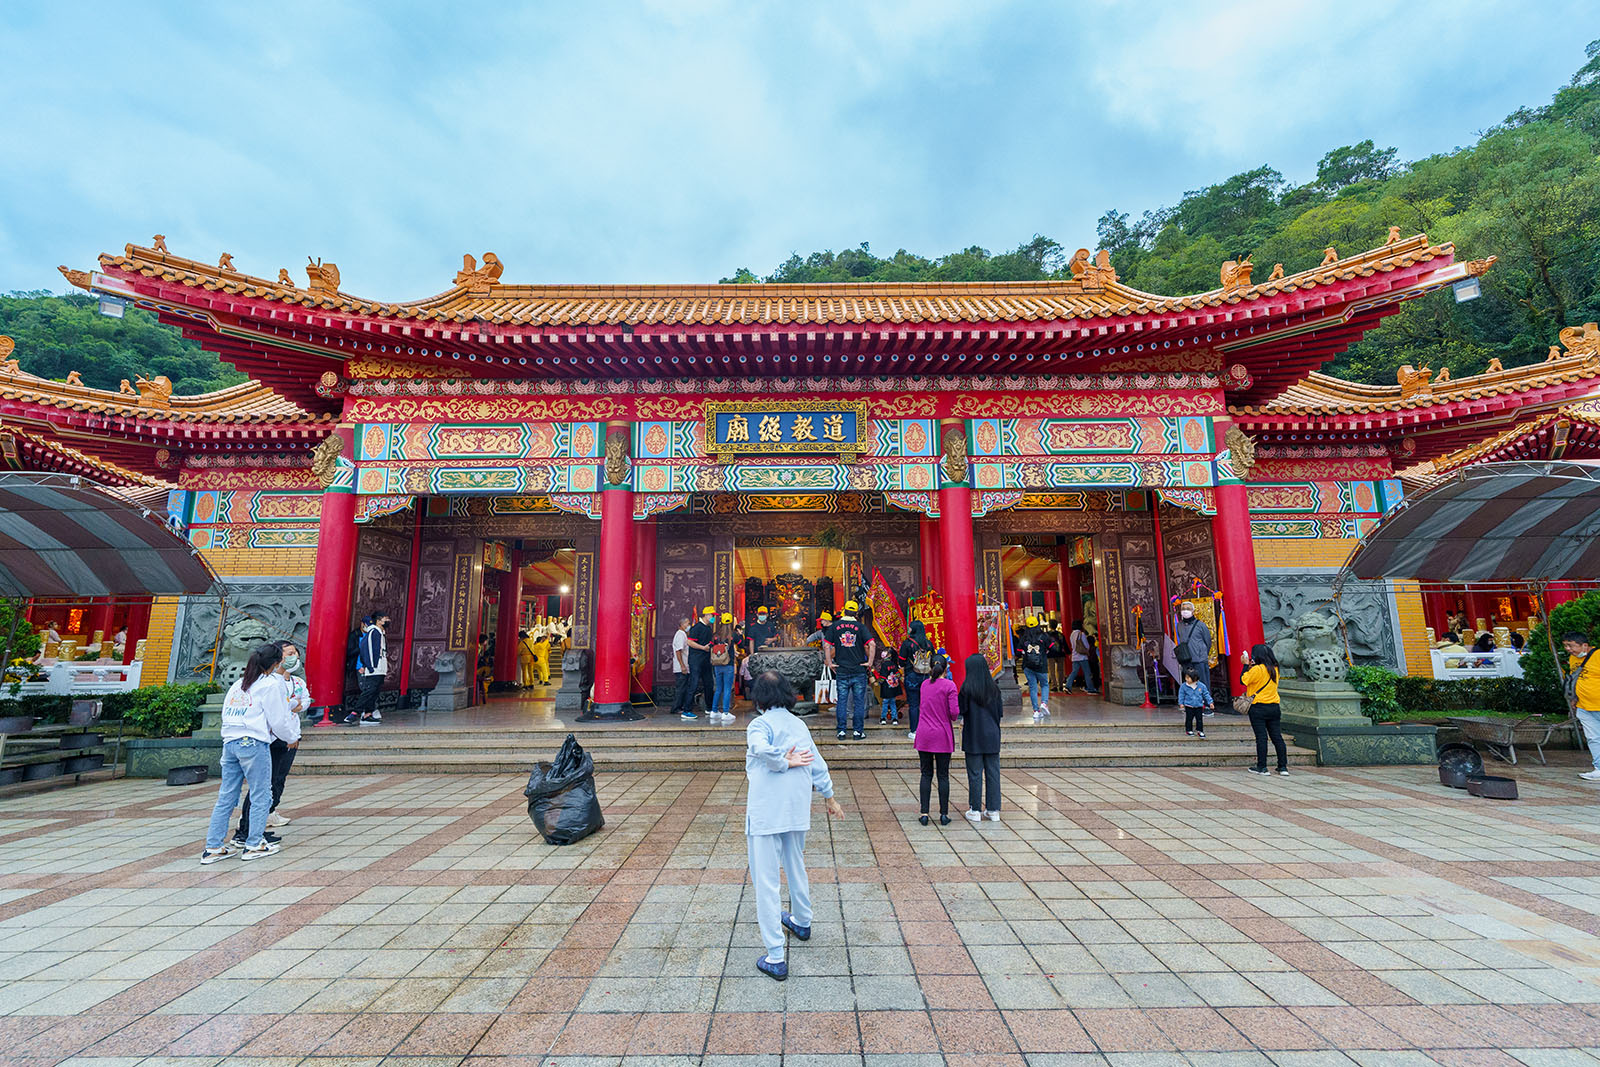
479	295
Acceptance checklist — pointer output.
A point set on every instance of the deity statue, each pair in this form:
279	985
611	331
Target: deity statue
955	454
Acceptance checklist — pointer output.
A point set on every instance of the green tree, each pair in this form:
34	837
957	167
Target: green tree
56	335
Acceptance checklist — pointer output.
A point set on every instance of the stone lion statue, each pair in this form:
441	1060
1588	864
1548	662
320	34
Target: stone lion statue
1311	648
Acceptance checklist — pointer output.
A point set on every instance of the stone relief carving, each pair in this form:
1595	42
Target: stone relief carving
257	612
1366	606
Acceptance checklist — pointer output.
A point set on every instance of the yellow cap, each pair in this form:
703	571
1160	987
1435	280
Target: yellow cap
851	605
1032	620
727	616
710	609
824	617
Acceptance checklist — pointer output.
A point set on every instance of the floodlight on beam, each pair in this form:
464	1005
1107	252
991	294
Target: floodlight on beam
112	307
1466	289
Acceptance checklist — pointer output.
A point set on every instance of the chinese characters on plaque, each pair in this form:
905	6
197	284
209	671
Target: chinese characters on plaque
821	427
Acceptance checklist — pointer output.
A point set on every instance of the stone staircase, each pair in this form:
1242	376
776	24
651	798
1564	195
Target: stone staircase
666	744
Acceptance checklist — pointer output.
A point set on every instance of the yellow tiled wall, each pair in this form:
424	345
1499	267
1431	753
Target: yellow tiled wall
1413	629
158	641
298	562
1303	551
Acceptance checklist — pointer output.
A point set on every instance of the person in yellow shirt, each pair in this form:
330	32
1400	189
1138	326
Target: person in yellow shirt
541	654
1260	680
525	673
1584	666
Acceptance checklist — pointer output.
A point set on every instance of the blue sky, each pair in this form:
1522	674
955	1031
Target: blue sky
678	140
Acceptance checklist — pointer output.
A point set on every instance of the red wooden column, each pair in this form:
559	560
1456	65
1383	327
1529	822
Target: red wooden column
644	572
1557	593
1069	582
99	618
505	627
138	628
613	591
1236	573
955	551
928	545
329	623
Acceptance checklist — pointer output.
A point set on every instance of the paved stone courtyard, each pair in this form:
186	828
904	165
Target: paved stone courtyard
1124	917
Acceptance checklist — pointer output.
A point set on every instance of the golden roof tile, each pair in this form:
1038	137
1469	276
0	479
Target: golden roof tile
1323	394
1094	294
249	402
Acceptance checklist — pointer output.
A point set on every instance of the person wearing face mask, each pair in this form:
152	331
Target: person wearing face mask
298	696
760	634
1191	642
372	668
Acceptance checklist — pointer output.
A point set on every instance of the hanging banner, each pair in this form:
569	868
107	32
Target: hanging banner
928	609
887	619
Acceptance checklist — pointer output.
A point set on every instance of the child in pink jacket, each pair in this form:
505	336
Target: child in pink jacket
936	737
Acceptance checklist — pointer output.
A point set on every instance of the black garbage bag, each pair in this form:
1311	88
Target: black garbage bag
562	801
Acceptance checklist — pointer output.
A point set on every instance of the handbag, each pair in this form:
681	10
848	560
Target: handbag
826	689
1242	702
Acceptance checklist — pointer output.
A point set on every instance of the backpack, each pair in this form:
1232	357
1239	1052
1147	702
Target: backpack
922	661
719	654
1571	684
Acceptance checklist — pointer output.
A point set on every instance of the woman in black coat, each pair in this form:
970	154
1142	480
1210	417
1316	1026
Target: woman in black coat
981	709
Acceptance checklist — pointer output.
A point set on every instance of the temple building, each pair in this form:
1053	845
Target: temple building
502	452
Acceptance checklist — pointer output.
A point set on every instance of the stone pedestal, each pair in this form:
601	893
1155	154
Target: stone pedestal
570	696
1314	704
453	690
1124	685
1012	698
1327	716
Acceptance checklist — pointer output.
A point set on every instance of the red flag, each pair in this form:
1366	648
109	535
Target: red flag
887	617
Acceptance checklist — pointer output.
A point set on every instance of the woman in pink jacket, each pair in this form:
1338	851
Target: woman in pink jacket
936	737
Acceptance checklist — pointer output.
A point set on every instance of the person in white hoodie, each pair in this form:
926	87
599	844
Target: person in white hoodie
255	711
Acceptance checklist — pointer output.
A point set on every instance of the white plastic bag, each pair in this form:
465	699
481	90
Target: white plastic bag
826	690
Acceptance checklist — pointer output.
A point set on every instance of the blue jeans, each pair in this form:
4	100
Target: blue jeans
913	704
890	710
852	695
1079	667
244	759
1038	687
722	676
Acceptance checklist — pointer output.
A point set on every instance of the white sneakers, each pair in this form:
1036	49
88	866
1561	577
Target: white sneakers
974	816
992	816
212	855
274	819
1591	776
266	848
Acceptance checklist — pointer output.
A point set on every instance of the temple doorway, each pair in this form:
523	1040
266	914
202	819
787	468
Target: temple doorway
796	583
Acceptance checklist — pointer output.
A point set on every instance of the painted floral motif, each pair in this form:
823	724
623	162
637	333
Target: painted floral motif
655	441
916	438
583	440
654	479
372	441
988	440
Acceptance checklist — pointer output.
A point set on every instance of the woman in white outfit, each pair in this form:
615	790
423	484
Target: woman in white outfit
255	711
783	766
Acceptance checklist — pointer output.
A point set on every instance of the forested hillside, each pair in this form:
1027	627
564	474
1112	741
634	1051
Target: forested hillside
59	334
1527	191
